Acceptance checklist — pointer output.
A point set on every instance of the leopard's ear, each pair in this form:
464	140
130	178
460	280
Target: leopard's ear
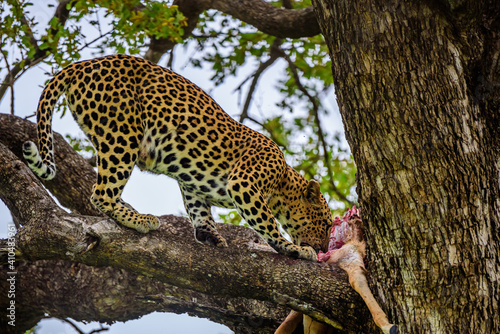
313	193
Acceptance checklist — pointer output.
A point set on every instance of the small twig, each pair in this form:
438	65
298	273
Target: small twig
13	74
72	324
274	54
12	96
76	328
94	40
102	329
207	36
170	62
271	133
33	40
11	84
98	20
255	121
321	136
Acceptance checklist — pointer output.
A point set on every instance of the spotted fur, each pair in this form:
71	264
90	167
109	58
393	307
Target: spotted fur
137	113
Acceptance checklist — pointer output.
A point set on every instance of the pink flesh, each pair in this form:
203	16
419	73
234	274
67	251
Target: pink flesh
338	236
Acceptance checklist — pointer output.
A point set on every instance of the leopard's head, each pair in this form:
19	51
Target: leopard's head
311	219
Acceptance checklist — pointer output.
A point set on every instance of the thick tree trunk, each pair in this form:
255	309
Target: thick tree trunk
418	89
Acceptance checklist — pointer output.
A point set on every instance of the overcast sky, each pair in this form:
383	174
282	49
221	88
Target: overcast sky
148	193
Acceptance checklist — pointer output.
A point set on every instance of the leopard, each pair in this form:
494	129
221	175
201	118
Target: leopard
137	113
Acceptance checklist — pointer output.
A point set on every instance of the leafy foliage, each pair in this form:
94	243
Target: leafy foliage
123	26
134	21
82	145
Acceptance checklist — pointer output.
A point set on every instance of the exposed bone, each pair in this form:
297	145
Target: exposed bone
291	322
312	326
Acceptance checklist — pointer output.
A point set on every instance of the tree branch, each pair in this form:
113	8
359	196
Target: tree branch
248	268
107	294
275	21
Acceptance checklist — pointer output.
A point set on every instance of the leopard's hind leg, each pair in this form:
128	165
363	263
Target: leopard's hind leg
113	173
204	225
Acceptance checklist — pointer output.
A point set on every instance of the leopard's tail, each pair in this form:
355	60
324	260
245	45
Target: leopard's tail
42	162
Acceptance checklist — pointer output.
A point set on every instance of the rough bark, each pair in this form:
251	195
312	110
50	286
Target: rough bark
418	88
65	289
248	270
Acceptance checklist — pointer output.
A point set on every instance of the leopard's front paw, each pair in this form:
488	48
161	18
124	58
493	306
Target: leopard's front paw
146	223
308	253
207	237
153	222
